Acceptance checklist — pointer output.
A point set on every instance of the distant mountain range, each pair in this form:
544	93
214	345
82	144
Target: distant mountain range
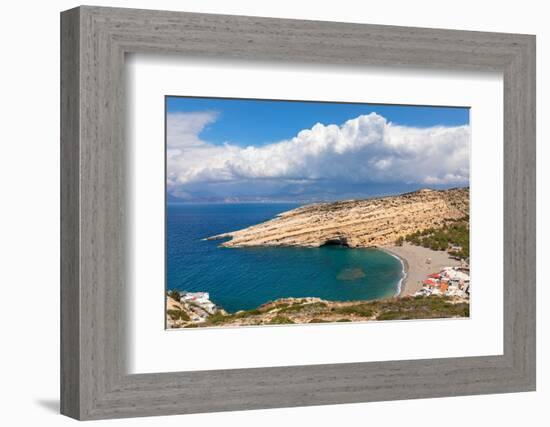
314	193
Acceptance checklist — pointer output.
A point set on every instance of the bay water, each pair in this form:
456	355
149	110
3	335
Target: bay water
245	278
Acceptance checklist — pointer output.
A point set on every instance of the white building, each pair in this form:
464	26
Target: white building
198	297
454	274
201	299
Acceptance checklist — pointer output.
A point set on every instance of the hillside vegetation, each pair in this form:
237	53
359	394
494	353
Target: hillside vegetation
453	237
315	310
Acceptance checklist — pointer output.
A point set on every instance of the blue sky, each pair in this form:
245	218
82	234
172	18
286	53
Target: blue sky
277	120
256	150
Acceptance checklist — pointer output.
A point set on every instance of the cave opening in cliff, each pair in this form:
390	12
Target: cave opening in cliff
336	241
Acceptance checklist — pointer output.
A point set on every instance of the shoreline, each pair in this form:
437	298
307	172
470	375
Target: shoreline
414	261
405	271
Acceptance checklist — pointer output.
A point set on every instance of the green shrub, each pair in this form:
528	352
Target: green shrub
362	310
246	313
297	307
456	233
281	320
433	307
174	295
396	315
218	318
178	315
317	320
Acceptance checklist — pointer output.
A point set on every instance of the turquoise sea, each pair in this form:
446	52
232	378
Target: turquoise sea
244	278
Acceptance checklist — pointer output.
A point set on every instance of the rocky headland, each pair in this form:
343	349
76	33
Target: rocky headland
372	222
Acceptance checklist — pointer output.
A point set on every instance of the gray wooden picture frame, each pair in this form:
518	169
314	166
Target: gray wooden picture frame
94	41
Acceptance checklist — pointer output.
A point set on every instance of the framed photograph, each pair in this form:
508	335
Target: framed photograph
261	213
329	222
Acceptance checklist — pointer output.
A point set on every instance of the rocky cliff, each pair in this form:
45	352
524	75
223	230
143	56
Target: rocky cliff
356	223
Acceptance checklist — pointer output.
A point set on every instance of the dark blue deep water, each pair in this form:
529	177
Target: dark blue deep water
244	278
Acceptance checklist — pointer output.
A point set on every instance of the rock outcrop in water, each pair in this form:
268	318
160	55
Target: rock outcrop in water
356	223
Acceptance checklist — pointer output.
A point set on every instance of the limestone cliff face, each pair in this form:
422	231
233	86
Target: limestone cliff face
356	223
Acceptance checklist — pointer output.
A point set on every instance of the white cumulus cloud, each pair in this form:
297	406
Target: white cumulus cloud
365	149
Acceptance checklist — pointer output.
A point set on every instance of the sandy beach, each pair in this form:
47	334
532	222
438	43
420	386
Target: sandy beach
416	265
